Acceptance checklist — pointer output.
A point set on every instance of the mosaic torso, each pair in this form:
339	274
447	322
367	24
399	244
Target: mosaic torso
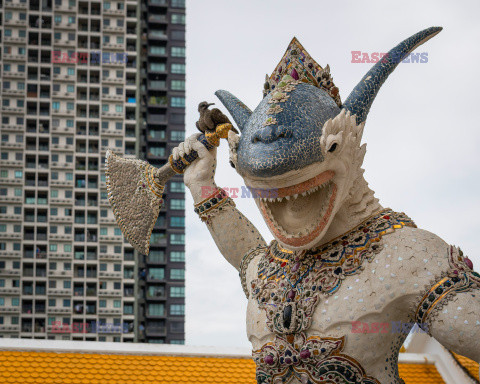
326	316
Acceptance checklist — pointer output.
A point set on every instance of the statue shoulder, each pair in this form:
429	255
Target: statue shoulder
419	253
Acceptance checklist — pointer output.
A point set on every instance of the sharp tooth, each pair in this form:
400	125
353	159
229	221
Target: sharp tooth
279	199
271	199
287	197
295	196
304	194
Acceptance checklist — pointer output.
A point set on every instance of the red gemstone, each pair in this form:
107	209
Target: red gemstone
365	230
294	74
305	354
283	264
291	295
345	243
268	359
455	272
469	263
386	217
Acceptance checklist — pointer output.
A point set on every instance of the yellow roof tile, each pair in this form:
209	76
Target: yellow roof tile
469	365
88	368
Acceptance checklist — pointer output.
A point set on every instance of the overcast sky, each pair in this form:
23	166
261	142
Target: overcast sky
422	132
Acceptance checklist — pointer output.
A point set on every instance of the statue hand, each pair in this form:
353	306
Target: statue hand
201	172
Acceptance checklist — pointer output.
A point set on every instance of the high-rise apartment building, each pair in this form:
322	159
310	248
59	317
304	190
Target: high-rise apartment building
69	89
162	304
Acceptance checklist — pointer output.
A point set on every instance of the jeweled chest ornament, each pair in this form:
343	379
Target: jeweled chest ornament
316	360
289	285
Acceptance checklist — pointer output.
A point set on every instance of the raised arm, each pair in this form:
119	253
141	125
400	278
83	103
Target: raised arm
233	233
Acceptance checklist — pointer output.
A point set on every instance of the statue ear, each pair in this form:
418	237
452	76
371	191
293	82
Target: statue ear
239	111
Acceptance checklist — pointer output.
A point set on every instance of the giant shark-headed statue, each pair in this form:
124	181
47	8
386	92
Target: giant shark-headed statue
327	297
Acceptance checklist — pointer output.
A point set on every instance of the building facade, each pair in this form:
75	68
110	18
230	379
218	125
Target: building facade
70	75
161	306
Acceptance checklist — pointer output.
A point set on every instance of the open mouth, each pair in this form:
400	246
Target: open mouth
297	214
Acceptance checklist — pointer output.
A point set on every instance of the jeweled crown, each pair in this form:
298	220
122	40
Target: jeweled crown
297	63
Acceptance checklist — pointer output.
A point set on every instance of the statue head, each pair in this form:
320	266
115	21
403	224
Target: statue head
300	150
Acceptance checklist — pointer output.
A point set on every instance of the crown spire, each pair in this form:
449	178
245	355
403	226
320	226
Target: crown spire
297	63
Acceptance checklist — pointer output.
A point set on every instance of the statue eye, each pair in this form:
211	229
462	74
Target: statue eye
231	163
333	147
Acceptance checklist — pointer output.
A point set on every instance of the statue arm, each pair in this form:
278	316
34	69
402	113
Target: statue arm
450	309
457	324
232	232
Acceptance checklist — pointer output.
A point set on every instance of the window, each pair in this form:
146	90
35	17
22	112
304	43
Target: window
106	5
67	284
71	19
179	342
178	102
117	232
157	151
177	204
177	274
57	18
102	303
155	50
18	174
117	303
71	71
177	221
157	67
156	309
156	273
177	186
178	85
178	18
53	247
178	68
70	88
177	238
178	51
177	309
177	135
178	35
118	108
56	105
120	40
177	291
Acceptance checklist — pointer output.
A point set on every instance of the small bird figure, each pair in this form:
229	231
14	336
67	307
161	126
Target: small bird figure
209	119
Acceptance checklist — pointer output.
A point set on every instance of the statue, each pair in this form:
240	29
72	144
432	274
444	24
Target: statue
333	297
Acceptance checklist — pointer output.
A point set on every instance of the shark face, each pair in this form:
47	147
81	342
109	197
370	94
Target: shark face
300	148
283	136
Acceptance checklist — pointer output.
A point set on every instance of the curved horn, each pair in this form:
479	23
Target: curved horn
239	111
362	96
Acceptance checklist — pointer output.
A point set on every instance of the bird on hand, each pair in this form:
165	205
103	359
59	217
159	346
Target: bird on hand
209	119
